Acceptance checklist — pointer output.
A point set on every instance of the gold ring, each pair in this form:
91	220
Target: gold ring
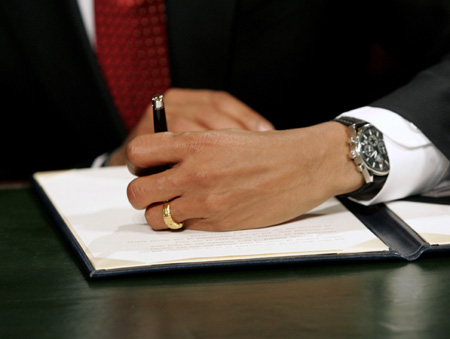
172	224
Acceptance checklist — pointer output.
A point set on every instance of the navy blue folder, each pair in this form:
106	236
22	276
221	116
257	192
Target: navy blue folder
403	242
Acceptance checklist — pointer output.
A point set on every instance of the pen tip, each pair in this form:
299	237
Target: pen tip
157	101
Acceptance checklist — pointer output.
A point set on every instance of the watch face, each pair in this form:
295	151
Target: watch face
373	150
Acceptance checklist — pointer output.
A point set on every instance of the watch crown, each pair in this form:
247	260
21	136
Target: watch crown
353	154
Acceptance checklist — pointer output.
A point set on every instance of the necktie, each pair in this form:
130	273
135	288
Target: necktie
131	47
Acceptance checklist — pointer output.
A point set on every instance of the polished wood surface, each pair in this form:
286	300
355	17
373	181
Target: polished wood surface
46	294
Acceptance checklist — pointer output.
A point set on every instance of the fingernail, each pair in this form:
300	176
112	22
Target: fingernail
263	126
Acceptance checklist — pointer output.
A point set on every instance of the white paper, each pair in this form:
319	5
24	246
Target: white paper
94	205
430	221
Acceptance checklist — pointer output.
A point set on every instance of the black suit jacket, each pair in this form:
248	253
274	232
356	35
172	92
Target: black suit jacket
296	62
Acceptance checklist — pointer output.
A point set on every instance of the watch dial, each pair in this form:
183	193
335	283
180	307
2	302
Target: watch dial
373	150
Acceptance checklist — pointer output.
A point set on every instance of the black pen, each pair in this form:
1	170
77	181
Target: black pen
159	114
160	125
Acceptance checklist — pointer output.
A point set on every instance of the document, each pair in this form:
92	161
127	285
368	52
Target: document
93	206
430	221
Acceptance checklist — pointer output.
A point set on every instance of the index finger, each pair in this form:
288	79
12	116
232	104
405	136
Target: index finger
151	153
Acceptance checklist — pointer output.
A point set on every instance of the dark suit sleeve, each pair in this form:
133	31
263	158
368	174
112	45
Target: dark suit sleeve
425	101
417	34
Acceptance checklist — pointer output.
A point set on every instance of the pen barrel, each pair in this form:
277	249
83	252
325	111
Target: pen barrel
160	125
159	118
159	114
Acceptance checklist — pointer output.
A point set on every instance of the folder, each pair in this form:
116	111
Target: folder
112	238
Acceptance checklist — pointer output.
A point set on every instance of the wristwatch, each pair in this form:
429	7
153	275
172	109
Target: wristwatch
368	151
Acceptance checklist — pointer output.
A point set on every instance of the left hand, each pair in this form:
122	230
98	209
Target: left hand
235	179
196	110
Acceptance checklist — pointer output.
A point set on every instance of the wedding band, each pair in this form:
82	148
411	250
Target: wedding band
172	224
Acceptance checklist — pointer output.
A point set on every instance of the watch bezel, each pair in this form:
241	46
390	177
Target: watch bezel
358	148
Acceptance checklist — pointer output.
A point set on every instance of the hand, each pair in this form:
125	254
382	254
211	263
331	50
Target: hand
234	179
196	110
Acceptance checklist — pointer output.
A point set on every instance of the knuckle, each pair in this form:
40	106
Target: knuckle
132	150
186	142
166	182
213	204
207	138
198	178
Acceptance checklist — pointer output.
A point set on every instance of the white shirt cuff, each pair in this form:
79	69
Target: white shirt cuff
417	166
100	160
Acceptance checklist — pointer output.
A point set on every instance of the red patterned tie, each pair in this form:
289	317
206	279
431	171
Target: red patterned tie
131	47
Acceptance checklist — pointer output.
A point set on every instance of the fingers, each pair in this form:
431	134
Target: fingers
151	191
184	123
215	109
239	111
180	211
152	150
145	191
204	116
154	215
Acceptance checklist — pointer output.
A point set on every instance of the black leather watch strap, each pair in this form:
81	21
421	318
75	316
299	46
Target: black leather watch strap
348	121
368	190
